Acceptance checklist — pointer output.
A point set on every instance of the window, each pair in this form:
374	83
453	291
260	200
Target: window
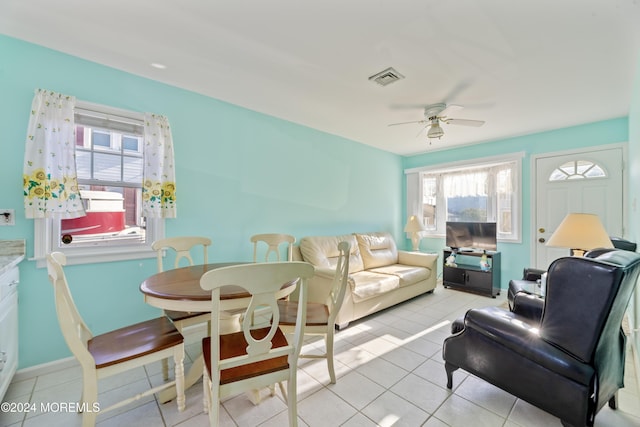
109	161
577	169
487	191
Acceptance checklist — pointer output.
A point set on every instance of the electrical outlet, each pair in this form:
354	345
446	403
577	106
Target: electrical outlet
7	217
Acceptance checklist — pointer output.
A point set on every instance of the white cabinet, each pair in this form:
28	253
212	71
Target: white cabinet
8	327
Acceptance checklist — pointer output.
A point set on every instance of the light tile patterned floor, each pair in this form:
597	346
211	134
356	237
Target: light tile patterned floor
390	373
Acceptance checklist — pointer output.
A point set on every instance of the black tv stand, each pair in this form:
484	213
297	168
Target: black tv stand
467	274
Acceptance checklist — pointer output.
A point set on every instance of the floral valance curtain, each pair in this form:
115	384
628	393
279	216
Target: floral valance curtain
159	182
49	176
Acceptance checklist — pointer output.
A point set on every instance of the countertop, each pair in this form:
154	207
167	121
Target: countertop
11	253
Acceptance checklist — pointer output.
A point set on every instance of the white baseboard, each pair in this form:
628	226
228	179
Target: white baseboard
192	334
44	368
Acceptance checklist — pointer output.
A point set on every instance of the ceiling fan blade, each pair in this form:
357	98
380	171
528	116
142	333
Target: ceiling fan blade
449	108
409	106
406	123
422	130
458	89
464	122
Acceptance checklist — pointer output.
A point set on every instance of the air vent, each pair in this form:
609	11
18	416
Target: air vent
386	77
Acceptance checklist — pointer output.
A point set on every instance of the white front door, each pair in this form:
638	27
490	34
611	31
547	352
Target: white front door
587	182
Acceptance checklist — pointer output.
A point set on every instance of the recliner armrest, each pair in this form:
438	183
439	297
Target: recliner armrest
532	274
528	306
521	336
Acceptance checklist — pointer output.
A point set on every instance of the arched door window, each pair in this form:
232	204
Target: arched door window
577	169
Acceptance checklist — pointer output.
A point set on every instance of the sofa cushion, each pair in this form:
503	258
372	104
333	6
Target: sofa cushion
407	274
366	284
377	249
322	251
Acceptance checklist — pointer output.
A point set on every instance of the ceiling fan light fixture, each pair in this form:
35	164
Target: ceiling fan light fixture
435	131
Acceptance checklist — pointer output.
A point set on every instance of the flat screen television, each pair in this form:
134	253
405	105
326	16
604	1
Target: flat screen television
471	235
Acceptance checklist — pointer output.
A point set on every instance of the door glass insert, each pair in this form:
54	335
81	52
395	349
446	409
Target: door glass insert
577	169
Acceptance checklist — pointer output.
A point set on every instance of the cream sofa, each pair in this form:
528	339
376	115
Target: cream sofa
380	275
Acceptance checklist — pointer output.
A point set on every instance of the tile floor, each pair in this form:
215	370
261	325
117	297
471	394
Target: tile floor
390	373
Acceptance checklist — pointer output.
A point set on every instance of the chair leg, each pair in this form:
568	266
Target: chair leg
206	392
215	405
178	360
89	398
328	342
165	369
254	396
613	402
284	392
292	399
449	368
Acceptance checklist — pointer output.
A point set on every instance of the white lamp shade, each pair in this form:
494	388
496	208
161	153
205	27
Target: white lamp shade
580	231
414	225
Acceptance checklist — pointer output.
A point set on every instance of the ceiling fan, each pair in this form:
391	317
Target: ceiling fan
435	114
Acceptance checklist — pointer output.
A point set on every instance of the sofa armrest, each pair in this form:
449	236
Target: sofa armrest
325	273
319	286
418	259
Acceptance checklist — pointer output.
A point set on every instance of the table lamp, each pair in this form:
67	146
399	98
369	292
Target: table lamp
580	232
414	226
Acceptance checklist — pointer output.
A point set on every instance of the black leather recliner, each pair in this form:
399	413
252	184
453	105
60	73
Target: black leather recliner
620	243
530	279
531	276
564	354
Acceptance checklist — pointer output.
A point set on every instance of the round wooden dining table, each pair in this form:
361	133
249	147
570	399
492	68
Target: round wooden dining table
179	289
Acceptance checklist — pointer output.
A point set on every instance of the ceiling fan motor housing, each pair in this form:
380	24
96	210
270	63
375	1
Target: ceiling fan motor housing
431	111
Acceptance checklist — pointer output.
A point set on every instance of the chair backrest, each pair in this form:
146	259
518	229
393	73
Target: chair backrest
182	246
586	300
74	330
273	241
620	243
262	281
339	286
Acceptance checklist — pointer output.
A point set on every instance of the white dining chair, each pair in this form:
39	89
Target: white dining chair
260	354
113	352
273	242
182	247
321	315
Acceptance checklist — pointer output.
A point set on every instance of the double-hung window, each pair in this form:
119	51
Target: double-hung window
109	161
485	190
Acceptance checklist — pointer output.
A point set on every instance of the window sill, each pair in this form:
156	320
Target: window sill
87	256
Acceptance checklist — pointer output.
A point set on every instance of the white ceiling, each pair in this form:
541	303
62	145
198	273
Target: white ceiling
522	66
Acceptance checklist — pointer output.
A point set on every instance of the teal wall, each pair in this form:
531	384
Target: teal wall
227	187
516	256
238	173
